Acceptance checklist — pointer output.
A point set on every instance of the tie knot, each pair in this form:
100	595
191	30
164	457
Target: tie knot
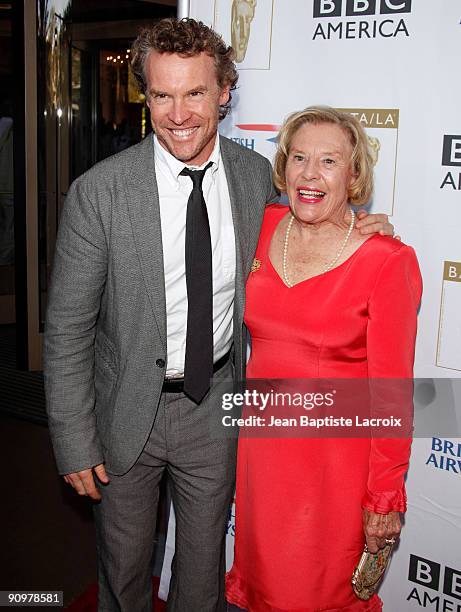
196	175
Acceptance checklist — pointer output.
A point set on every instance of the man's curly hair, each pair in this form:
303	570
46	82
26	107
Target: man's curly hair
186	37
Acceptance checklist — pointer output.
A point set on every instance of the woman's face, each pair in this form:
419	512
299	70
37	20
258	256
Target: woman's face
318	173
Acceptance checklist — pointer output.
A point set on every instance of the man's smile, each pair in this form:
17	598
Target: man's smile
184	133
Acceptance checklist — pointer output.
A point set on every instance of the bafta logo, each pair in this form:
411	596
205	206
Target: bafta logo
243	12
375	147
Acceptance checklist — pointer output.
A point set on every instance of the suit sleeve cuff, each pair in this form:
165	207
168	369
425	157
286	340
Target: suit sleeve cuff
76	453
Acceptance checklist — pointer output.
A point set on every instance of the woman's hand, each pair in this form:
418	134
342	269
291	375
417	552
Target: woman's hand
380	527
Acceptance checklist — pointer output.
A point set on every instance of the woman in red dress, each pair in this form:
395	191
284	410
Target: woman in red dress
322	301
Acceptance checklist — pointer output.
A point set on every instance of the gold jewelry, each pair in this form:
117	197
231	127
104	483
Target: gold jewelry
255	265
329	266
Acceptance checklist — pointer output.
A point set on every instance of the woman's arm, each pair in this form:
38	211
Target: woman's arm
391	338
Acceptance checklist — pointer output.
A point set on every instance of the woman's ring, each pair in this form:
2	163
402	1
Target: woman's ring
390	541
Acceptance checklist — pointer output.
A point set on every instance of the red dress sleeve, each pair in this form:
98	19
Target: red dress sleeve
391	334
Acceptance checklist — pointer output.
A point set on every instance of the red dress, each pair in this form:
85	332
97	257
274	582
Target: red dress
299	501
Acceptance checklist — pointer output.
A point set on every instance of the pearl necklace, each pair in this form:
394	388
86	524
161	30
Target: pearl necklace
330	265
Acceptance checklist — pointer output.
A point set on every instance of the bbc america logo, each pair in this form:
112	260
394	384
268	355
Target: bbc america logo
451	157
355	8
382	26
428	574
451	152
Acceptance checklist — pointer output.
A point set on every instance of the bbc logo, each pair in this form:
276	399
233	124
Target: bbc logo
428	573
451	152
354	8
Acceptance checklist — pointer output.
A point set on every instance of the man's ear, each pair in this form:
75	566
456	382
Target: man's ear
225	95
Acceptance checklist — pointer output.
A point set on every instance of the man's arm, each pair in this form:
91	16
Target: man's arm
77	283
273	194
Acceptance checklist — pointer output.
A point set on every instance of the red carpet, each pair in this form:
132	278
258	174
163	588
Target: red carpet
87	602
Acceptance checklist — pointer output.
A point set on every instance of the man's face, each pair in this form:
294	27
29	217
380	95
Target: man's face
184	97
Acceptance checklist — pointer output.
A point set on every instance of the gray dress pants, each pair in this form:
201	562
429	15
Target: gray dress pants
201	470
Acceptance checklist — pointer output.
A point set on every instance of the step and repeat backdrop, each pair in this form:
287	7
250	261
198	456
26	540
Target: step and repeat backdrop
395	65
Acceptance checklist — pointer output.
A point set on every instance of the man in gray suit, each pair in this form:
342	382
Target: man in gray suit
129	352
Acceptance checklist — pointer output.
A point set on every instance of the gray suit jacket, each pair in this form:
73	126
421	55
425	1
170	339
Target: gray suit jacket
105	335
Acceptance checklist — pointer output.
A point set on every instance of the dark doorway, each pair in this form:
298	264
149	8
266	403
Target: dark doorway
74	106
7	268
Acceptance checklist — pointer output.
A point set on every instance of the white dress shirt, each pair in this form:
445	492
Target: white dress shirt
174	191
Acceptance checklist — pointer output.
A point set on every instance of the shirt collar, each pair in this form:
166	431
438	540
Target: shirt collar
172	167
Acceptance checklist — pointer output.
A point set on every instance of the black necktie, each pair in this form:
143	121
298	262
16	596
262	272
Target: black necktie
198	365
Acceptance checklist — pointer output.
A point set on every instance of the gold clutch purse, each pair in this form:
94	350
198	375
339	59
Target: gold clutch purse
370	570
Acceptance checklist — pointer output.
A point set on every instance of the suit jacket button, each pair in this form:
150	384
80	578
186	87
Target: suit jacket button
160	363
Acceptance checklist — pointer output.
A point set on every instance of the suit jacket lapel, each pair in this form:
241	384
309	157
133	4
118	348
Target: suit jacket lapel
235	170
144	212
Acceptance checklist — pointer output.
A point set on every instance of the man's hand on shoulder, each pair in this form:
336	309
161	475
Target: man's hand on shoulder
374	223
83	481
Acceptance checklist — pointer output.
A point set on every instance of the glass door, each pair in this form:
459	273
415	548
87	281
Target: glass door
77	104
7	268
41	160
